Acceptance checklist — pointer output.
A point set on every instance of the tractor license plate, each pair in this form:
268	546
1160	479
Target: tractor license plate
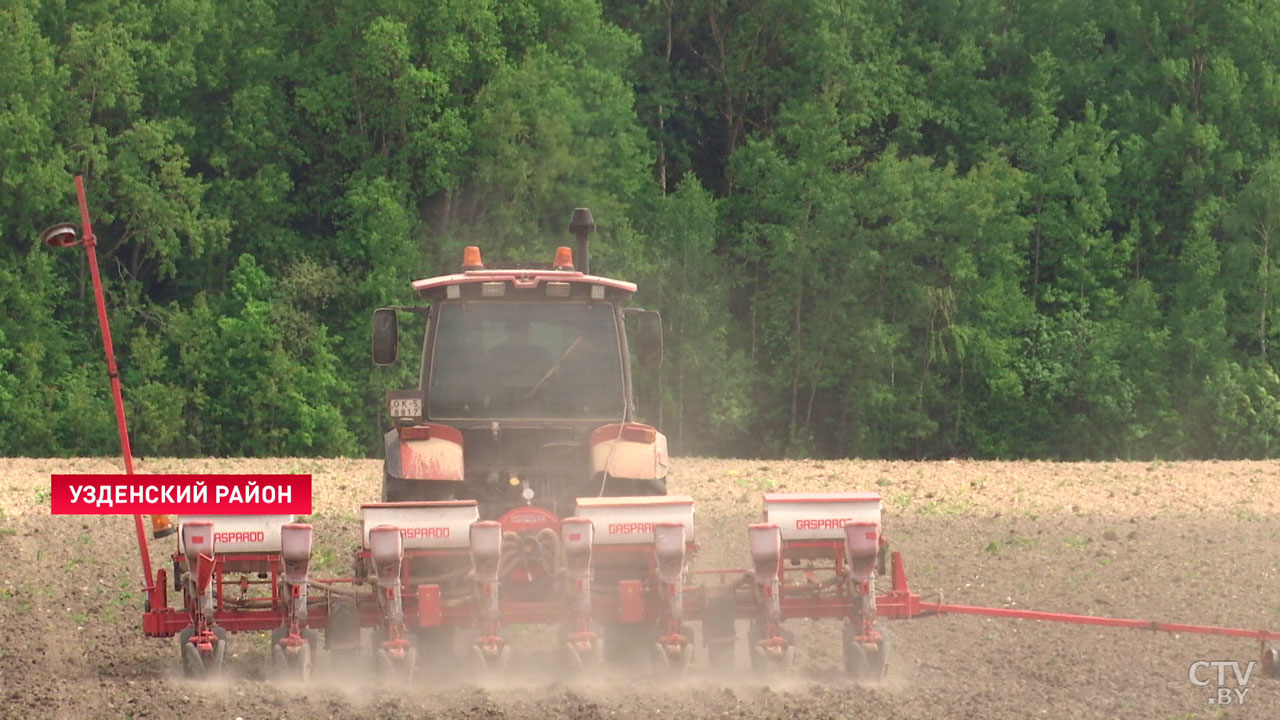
406	407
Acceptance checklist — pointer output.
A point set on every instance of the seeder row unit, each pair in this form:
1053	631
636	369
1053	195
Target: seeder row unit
614	579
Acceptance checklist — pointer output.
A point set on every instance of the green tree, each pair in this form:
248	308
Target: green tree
705	379
246	378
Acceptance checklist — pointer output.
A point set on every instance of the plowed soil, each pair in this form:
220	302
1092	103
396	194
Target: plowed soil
1187	542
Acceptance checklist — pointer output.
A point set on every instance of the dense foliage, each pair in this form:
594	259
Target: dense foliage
900	228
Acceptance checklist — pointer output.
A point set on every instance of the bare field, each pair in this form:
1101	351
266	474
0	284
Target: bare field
1188	542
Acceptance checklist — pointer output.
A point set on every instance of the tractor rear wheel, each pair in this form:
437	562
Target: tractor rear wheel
437	658
342	636
626	644
720	633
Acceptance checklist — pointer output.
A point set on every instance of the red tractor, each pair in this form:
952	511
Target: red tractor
524	401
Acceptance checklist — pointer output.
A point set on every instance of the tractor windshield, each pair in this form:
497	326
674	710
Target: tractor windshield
496	360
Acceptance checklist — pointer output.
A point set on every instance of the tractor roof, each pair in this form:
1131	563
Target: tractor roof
560	280
520	279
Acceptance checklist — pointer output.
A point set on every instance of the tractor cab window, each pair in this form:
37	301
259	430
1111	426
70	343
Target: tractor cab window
496	360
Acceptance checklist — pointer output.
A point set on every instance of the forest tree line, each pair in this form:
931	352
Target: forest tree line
889	228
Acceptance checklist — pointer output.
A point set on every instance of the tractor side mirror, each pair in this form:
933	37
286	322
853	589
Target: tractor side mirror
386	336
649	339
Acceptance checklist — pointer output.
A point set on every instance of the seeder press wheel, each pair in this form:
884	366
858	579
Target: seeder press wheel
579	660
394	668
491	662
864	663
1271	663
771	662
396	665
202	665
674	662
583	657
294	664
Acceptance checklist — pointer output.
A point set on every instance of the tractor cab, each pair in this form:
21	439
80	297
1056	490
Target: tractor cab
525	393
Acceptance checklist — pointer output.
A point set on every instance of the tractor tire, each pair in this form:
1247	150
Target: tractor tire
342	637
720	633
437	658
626	644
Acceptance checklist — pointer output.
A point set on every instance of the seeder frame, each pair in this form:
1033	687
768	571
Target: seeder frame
626	588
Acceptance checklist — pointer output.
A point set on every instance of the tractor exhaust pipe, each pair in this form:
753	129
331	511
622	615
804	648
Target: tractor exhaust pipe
582	225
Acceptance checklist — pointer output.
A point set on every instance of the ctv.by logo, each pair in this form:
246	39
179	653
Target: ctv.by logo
1225	695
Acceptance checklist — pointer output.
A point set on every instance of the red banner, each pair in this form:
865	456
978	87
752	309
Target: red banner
103	494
